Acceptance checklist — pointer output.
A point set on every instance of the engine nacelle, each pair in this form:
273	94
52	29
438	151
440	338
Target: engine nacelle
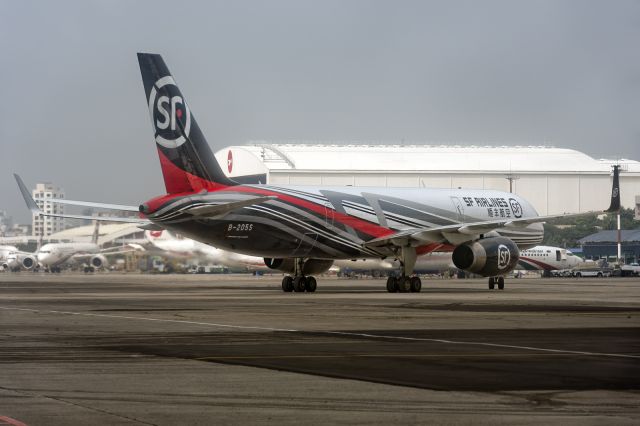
99	261
27	261
311	266
21	261
488	257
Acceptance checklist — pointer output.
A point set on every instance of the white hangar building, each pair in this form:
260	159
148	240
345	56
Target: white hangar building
554	180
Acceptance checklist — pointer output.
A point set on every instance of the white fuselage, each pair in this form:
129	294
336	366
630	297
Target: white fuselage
547	258
174	246
537	258
4	254
54	254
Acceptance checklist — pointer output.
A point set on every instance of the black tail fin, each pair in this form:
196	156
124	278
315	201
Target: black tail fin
187	162
615	191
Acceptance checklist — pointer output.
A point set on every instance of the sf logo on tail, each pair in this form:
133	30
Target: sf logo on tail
170	114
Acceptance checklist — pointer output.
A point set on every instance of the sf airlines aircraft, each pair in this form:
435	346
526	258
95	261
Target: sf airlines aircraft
303	229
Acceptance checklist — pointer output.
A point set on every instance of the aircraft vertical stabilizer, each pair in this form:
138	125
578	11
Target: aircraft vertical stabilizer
187	162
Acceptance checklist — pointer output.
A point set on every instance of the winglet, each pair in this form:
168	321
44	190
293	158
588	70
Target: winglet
31	204
614	207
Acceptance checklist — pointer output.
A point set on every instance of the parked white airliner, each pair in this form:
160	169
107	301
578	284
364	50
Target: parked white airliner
177	246
538	258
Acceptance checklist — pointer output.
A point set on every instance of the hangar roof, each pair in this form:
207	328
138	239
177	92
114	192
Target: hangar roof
611	236
468	158
107	232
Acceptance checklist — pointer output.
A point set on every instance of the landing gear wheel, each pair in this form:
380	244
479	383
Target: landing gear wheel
311	284
287	284
298	284
404	284
392	285
415	284
500	283
492	283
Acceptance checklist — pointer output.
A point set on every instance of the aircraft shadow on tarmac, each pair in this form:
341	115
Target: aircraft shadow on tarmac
422	363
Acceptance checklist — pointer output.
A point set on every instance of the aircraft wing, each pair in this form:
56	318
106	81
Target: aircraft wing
462	232
127	248
31	204
205	211
112	251
457	233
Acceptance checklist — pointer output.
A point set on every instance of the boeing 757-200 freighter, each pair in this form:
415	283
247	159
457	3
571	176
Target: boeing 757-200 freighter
303	229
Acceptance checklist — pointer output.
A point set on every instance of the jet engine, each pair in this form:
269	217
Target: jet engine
489	257
311	266
99	261
27	261
21	261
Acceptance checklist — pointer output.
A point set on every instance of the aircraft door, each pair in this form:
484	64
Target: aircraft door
561	255
458	207
329	214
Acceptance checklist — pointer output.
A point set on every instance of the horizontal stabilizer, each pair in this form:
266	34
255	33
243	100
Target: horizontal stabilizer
132	220
33	206
25	194
219	210
105	206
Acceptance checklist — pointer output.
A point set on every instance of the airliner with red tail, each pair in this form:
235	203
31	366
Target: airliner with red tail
303	229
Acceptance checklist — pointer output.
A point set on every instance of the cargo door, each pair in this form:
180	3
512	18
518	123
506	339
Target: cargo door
458	207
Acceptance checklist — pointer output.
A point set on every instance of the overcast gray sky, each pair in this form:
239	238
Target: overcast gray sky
562	73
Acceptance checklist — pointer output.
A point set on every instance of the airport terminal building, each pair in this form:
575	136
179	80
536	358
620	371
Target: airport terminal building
554	180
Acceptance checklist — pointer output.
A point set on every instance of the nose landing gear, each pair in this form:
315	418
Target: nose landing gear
499	281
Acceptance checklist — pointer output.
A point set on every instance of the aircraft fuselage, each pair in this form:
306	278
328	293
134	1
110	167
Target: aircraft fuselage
334	222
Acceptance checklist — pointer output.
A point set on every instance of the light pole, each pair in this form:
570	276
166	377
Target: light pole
511	178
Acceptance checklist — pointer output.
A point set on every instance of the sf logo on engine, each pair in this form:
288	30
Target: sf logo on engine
170	114
504	256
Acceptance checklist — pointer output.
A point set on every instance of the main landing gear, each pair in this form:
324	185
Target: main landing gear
299	282
499	281
405	282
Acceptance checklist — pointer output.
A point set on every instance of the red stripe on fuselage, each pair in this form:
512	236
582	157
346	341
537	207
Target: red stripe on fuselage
351	221
544	266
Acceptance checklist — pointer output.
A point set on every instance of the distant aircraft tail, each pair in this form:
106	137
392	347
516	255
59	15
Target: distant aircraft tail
187	162
162	235
615	191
